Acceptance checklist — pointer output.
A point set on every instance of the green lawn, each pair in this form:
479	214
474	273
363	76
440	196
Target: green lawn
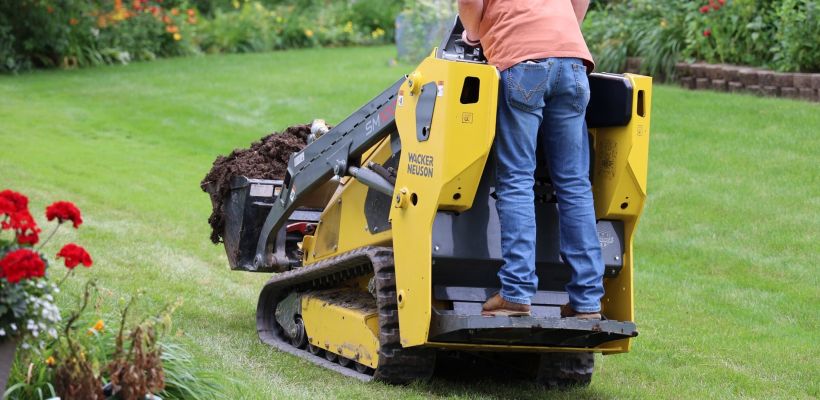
726	255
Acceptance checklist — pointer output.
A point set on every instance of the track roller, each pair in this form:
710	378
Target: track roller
300	339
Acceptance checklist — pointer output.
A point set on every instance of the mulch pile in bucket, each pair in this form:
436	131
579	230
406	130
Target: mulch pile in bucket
265	159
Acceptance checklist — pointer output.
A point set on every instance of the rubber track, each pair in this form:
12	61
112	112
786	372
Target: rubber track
397	365
562	370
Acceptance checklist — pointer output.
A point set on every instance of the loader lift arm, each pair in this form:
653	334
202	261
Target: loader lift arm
330	155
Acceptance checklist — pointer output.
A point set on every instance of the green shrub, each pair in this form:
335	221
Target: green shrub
776	34
69	33
653	30
254	27
798	32
422	25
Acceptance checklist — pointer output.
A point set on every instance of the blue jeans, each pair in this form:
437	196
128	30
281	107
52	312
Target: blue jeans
546	100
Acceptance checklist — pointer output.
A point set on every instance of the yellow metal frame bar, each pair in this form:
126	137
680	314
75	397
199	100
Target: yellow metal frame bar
347	332
440	173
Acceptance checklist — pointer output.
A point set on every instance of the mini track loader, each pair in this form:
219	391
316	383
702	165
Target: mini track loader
384	238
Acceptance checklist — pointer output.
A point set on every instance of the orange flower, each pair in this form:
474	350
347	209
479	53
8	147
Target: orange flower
97	328
166	20
73	21
175	11
191	12
192	20
50	361
171	29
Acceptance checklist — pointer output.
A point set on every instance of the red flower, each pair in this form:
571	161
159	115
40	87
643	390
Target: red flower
15	206
704	9
22	264
707	32
30	238
74	255
15	202
64	211
7	206
722	2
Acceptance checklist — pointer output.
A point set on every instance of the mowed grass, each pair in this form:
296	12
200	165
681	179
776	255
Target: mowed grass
726	255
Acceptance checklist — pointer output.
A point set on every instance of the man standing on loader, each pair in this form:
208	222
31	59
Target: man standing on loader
540	52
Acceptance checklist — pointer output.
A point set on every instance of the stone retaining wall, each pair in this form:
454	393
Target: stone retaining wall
757	81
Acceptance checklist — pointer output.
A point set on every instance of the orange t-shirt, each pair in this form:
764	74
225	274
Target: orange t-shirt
513	31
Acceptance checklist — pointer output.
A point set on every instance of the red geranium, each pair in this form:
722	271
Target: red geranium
19	201
22	264
30	238
6	206
12	204
15	207
64	211
74	255
707	32
704	9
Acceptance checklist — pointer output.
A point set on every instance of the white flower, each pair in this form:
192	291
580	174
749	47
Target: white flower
13	326
2	332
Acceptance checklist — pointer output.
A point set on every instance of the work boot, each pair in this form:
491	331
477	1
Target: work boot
497	306
568	312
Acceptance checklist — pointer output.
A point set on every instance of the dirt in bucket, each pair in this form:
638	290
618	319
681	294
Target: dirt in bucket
265	159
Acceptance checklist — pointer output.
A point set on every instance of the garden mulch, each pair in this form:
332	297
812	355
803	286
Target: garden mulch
265	159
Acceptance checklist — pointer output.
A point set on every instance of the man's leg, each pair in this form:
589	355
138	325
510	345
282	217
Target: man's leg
567	144
520	105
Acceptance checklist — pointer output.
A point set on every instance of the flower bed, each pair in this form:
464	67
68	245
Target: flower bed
72	357
71	33
779	35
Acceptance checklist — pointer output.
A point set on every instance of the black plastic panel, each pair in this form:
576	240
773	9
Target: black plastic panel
424	110
610	102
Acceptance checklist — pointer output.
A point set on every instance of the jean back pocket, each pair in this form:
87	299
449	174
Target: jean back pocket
526	85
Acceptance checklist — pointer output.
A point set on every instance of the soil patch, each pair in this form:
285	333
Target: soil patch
265	159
